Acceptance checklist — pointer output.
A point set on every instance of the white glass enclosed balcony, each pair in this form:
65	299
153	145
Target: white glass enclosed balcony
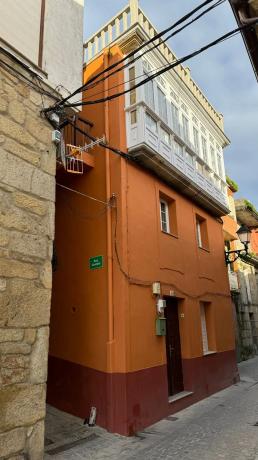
166	136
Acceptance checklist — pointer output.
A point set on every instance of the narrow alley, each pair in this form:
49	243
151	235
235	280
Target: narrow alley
224	426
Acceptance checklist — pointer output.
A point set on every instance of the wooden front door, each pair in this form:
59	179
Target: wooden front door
174	361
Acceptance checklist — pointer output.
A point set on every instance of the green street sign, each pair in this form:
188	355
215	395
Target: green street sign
96	262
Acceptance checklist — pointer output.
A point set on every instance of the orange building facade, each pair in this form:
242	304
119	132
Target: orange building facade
114	345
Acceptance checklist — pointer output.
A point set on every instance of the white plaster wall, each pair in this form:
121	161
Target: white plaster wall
63	43
20	26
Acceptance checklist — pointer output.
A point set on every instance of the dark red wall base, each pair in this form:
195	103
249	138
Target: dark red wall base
127	403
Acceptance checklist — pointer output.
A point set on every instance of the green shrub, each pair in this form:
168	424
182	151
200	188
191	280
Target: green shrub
232	184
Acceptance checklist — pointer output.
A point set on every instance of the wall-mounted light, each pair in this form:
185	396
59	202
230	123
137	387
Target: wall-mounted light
244	236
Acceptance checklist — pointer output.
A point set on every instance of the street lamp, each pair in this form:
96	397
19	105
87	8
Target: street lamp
244	236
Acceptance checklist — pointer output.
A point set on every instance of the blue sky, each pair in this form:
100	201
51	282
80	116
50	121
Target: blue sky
224	73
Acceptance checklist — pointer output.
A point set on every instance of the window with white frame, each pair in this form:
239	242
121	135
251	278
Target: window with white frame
196	139
164	216
162	105
185	128
213	159
204	149
151	123
149	91
133	117
165	137
205	343
175	117
199	233
219	163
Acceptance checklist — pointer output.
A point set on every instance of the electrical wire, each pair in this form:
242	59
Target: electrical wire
169	67
218	3
30	83
148	283
132	53
82	194
102	144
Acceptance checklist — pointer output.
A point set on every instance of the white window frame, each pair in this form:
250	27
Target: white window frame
185	128
162	104
149	91
204	149
150	127
196	139
166	227
199	233
205	341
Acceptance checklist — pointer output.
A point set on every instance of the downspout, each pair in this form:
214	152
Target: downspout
110	338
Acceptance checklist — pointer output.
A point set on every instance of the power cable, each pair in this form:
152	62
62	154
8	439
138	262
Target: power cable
169	67
82	194
29	82
132	53
102	144
90	86
218	3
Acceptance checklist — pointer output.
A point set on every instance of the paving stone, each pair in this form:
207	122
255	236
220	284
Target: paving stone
219	427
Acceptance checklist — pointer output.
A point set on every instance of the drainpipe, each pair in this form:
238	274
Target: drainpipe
110	339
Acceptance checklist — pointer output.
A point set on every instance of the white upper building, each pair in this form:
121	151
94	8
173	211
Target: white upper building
171	126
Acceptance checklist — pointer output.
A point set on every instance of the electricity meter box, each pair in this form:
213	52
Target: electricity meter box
161	326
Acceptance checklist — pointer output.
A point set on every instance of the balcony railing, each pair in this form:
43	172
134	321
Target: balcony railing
119	25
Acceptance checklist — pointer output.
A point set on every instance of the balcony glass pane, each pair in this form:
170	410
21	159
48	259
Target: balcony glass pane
204	149
162	105
149	92
175	118
151	123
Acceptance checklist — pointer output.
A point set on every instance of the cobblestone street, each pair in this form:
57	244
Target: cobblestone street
224	426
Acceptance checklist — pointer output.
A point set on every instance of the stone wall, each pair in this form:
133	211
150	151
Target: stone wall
27	205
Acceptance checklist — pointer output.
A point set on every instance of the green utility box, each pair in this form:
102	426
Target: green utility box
161	326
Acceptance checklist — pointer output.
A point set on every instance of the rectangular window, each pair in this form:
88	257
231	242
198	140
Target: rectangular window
164	135
219	162
213	159
168	217
202	232
164	216
175	118
131	84
133	117
162	105
207	328
185	128
149	92
196	140
151	123
204	149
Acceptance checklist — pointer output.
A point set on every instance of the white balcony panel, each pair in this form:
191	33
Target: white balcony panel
190	171
165	151
209	187
146	143
179	162
151	139
200	179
